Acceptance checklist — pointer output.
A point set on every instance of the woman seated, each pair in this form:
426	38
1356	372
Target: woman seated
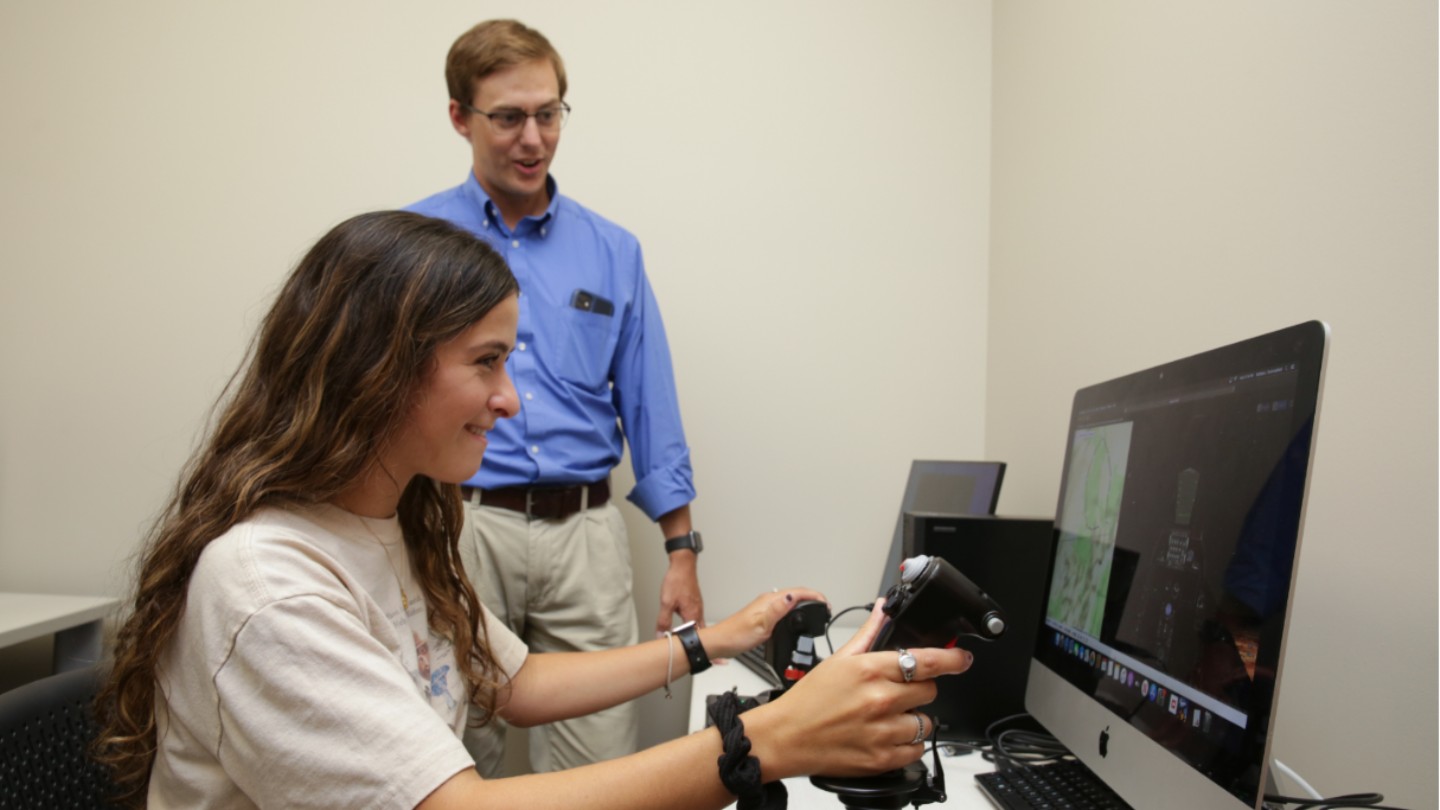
303	634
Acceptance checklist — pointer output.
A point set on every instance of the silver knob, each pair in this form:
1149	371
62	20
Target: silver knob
911	568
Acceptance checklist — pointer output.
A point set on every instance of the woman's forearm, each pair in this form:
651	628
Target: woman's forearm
686	768
557	686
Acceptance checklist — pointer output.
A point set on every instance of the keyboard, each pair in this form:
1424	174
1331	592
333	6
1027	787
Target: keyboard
1067	784
754	660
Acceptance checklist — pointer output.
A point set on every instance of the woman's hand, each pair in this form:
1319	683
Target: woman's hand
752	625
851	715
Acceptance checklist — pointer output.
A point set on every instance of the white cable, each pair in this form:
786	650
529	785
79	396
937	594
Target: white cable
1289	773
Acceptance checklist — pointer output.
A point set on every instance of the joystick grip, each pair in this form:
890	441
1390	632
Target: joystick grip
933	605
791	649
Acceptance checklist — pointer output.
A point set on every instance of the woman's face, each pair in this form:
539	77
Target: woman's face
466	392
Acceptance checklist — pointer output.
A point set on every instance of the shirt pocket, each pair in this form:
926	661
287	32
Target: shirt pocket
586	349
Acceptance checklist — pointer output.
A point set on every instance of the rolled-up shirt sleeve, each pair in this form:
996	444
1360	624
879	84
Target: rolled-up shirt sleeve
649	407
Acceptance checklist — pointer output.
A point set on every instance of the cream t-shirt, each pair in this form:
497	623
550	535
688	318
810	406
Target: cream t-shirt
297	679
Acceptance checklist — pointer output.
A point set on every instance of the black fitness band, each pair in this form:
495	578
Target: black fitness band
694	652
740	772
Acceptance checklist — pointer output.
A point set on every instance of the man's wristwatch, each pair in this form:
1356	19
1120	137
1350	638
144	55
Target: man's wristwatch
694	652
690	540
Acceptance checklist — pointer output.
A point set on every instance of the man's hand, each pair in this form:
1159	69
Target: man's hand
680	589
680	593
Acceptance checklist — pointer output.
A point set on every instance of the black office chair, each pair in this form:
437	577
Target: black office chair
45	730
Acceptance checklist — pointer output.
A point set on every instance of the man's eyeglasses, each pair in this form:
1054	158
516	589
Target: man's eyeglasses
509	121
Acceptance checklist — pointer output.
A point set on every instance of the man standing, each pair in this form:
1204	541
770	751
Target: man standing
543	543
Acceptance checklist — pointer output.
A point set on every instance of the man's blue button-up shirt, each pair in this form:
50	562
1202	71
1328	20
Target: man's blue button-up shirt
590	358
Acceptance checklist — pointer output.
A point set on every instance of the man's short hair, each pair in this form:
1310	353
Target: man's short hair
492	46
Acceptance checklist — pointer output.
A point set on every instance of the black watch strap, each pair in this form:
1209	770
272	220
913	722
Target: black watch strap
690	540
694	651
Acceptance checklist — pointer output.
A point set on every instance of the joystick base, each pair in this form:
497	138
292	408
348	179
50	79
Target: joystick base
886	791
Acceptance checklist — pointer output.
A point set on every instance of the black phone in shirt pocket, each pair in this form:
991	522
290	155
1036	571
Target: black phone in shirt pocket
587	301
586	348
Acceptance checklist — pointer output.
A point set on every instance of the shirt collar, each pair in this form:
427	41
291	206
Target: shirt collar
528	224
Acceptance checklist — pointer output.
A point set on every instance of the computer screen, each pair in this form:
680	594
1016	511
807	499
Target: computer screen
945	487
1178	528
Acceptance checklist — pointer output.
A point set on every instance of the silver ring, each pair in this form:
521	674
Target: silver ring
907	665
919	729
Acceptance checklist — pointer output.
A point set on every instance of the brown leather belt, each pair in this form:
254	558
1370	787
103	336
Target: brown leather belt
543	503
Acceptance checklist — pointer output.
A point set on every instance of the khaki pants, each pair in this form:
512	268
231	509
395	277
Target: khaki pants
561	585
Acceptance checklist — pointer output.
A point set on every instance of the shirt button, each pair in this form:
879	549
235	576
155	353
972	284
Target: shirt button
535	449
529	395
521	347
515	243
543	231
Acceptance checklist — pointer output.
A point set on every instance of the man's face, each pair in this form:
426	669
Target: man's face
512	165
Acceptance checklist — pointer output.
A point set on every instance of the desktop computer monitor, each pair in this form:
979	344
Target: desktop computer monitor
943	487
1178	527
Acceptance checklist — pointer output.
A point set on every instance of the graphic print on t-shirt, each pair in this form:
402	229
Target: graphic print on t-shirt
438	679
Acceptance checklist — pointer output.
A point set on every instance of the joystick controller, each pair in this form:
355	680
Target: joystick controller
932	605
790	652
791	649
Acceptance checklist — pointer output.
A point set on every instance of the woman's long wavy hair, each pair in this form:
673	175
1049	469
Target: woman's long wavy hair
332	374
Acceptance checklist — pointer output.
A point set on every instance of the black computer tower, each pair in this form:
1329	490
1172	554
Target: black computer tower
1009	559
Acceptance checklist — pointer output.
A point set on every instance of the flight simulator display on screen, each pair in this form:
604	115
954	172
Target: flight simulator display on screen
1178	526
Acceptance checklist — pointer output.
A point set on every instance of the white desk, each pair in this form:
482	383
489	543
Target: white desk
959	771
75	621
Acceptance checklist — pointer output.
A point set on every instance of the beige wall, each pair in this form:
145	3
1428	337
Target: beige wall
809	181
1170	177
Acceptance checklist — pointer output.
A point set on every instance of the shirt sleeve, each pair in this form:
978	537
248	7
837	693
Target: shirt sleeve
506	647
649	407
315	712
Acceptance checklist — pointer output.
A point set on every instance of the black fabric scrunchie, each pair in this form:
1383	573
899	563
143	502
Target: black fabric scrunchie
740	772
